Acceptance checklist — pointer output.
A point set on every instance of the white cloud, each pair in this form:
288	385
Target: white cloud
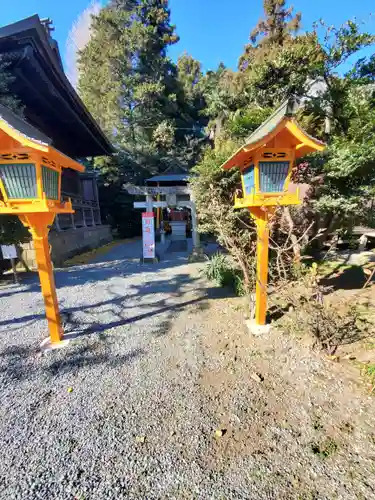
78	37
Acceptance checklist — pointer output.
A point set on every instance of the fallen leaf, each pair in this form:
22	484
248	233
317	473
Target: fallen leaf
257	377
220	432
333	357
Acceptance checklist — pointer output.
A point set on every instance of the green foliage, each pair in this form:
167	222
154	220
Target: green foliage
368	373
12	231
344	178
211	178
214	190
132	87
341	43
218	269
163	115
363	71
116	204
277	72
279	64
190	75
326	448
222	271
6	97
244	121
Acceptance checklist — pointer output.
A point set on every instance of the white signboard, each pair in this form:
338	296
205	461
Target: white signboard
9	251
148	235
155	204
156	190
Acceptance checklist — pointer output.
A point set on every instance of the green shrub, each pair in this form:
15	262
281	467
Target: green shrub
222	271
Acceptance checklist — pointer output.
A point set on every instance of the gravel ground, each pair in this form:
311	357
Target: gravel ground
163	394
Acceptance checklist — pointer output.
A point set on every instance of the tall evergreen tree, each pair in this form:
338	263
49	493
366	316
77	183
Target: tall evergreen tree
135	92
278	61
126	79
278	24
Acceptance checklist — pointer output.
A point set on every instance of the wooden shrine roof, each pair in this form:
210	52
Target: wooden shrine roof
50	102
13	126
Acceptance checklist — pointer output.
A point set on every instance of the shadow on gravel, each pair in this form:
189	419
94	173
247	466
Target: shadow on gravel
89	273
19	362
161	329
16	362
161	299
142	297
85	358
85	319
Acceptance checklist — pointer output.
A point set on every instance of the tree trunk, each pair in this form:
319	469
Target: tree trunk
293	237
331	222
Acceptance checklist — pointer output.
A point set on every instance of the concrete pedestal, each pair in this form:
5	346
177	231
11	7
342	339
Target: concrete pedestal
198	255
47	345
257	330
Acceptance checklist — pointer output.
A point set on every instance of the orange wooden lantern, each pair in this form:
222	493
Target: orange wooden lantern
30	187
266	162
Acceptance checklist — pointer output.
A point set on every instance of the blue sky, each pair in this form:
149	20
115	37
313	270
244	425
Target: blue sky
210	30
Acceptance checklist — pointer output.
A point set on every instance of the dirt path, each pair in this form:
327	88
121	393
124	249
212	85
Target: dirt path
294	424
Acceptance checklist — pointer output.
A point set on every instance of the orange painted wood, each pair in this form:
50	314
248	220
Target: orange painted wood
38	225
262	270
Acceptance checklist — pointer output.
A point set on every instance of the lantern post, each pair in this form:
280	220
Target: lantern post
30	187
266	162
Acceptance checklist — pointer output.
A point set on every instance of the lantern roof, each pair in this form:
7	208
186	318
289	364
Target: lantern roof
280	130
28	136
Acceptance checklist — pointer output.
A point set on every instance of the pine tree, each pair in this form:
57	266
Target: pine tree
138	97
6	97
189	74
126	79
278	24
275	30
278	61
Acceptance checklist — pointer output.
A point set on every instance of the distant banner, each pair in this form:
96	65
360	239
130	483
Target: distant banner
148	235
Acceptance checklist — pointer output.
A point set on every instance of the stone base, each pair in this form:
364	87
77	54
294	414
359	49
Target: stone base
155	260
47	345
257	330
197	255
